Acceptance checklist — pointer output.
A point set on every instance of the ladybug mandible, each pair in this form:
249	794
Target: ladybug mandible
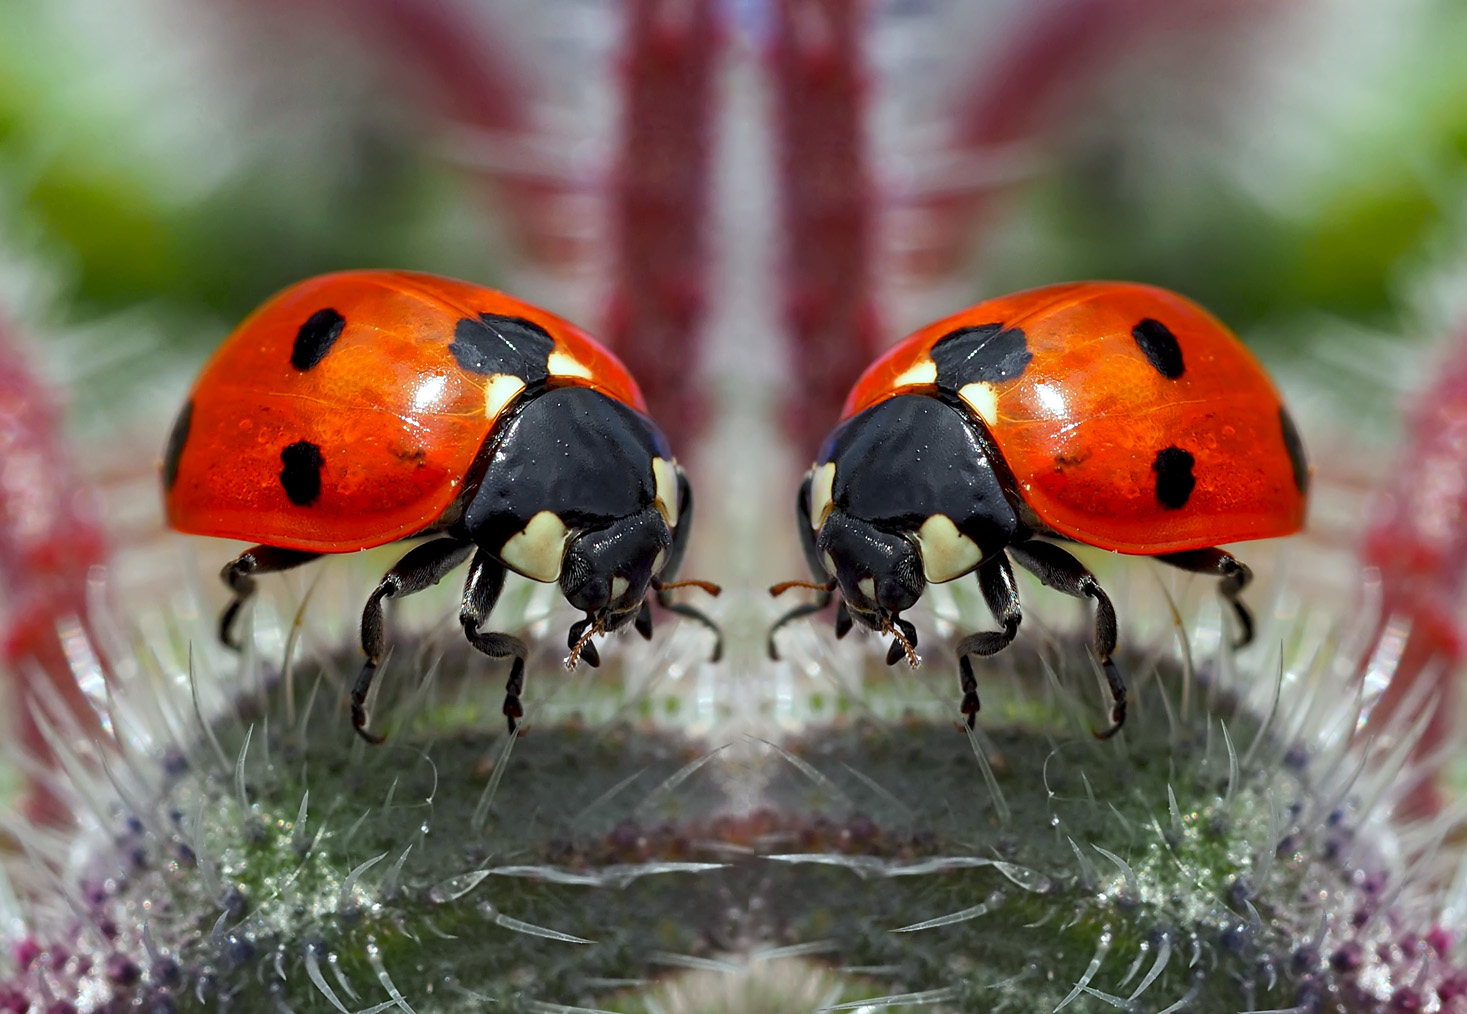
1116	415
356	409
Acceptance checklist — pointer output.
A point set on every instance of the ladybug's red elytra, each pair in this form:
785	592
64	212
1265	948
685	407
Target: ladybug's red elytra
359	408
1112	414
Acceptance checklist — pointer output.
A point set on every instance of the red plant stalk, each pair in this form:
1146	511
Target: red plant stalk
50	538
827	207
660	202
1417	539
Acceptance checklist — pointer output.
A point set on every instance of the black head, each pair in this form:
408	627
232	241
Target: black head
606	571
879	574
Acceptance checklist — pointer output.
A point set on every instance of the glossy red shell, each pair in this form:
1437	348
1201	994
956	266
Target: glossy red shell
398	421
1081	426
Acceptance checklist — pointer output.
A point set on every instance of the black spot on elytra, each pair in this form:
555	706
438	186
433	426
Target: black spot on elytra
1174	479
493	344
301	472
176	439
1295	447
988	353
315	338
1160	346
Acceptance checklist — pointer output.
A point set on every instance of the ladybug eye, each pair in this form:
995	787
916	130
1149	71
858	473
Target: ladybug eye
575	573
902	586
909	575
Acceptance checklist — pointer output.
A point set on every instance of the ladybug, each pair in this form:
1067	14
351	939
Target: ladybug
1117	415
365	407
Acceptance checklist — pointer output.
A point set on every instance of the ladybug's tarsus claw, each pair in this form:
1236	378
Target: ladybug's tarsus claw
970	707
1118	701
227	635
1245	621
512	708
359	704
371	737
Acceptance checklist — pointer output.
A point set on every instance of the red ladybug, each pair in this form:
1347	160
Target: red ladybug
1117	415
360	408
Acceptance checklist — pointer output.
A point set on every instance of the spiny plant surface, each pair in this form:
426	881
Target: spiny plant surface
1213	858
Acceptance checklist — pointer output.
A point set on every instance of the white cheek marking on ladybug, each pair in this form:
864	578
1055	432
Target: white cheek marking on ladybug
664	477
659	561
981	397
502	389
619	586
922	373
868	587
822	482
537	549
829	562
946	552
561	365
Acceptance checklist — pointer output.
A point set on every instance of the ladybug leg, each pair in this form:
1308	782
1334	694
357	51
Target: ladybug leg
1235	577
422	568
817	567
1001	592
664	599
674	561
822	599
481	592
1062	572
239	576
644	621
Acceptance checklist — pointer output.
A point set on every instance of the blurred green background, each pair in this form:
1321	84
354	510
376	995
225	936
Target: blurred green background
163	167
166	165
163	170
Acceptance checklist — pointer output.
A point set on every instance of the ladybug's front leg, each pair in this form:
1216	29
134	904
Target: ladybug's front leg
817	568
481	592
1062	572
669	574
1001	592
422	568
1235	577
239	576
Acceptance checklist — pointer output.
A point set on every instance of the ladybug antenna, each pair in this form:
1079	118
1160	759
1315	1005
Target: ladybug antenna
913	659
784	586
574	657
707	586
